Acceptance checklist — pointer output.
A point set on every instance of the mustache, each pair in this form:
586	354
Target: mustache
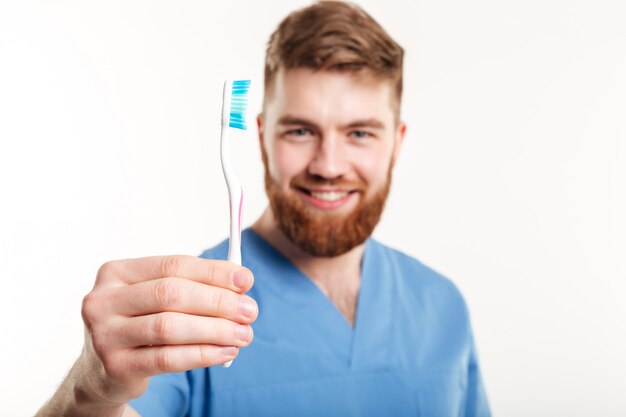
312	181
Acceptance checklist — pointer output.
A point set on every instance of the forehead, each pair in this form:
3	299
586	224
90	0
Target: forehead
330	96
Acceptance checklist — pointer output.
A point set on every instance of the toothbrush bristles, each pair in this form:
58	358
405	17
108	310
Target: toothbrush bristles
238	104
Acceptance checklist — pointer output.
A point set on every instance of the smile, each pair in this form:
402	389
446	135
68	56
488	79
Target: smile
327	199
329	195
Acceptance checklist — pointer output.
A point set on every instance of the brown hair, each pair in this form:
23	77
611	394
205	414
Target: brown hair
334	35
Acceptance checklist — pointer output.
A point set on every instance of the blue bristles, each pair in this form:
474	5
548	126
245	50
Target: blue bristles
238	104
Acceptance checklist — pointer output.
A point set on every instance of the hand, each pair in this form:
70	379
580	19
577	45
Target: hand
154	315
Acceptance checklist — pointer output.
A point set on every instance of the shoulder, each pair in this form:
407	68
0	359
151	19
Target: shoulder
420	279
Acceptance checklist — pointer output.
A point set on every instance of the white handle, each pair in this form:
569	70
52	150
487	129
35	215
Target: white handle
235	192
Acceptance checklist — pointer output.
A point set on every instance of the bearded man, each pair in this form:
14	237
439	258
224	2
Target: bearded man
344	325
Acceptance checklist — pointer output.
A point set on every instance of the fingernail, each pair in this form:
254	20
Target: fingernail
243	333
229	351
240	279
247	307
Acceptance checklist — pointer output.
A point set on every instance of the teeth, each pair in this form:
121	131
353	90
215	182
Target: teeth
329	196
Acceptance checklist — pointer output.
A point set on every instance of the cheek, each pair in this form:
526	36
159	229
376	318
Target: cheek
286	162
373	167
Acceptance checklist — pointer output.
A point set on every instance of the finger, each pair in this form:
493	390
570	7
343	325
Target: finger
206	271
183	296
149	361
179	329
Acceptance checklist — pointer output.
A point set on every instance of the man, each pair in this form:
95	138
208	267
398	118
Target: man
344	325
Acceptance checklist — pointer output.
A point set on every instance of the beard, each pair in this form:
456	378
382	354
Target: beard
325	234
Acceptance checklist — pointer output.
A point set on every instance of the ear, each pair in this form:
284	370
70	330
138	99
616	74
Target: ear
399	139
259	125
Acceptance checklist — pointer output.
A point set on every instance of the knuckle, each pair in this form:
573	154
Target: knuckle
204	355
163	360
166	293
170	265
89	308
219	301
162	327
211	271
107	270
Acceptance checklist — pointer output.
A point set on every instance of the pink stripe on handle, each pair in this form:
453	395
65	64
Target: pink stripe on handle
240	211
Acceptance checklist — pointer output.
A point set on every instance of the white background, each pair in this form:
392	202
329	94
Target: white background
511	181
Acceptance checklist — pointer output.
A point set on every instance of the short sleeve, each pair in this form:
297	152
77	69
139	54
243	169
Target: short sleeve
167	395
476	405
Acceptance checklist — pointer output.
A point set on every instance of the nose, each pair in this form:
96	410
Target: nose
330	160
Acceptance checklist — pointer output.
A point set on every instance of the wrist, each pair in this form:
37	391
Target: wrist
73	399
87	390
87	401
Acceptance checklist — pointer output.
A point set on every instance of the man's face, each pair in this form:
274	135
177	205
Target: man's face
329	141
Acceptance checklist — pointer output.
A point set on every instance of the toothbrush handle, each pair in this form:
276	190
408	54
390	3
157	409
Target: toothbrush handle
236	212
235	192
234	243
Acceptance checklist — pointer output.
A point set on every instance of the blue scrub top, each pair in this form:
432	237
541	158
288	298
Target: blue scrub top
411	352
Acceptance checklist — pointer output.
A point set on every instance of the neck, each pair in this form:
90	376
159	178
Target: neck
338	277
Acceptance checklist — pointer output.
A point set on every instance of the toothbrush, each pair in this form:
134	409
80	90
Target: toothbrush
235	101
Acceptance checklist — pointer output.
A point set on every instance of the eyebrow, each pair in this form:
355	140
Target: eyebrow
294	120
371	122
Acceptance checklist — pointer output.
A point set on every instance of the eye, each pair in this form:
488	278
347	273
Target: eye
300	134
360	134
301	131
